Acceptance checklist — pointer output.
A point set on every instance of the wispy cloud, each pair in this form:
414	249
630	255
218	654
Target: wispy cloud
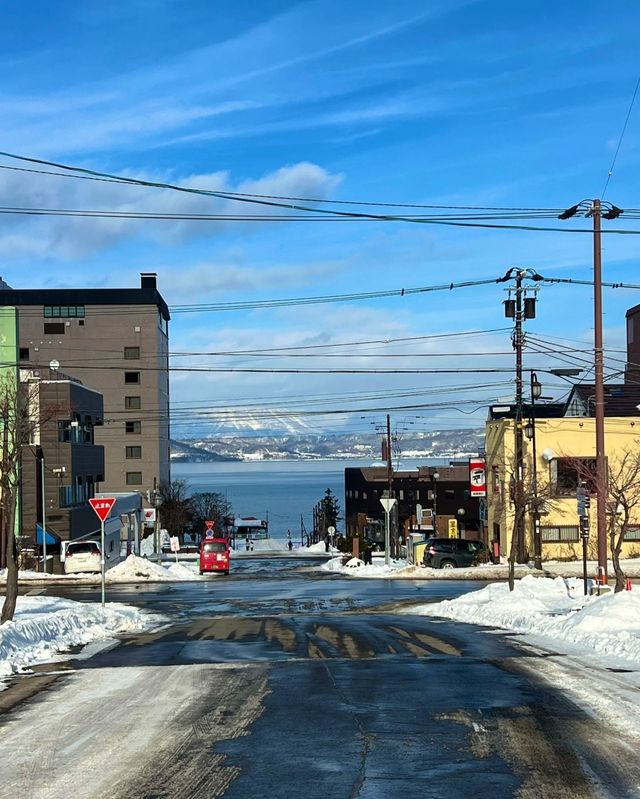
73	238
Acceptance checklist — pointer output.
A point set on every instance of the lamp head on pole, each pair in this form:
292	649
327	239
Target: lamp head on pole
536	386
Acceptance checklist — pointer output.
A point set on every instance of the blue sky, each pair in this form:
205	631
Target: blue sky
458	102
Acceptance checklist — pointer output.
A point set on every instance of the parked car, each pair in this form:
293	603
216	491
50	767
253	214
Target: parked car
214	555
82	556
452	553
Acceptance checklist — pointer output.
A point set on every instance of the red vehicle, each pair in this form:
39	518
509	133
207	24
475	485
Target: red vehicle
214	555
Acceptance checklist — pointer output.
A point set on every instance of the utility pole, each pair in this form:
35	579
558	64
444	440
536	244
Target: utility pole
389	456
601	473
519	441
518	310
594	209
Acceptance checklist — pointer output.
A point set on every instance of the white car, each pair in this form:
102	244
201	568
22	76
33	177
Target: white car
82	556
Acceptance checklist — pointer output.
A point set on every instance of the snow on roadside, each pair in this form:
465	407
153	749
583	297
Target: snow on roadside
134	569
44	626
554	608
357	568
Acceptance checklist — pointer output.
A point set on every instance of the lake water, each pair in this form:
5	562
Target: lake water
281	490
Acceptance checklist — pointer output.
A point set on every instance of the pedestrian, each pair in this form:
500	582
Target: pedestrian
247	541
289	541
368	554
327	542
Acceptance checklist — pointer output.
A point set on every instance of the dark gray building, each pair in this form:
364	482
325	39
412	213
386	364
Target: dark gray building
65	416
117	342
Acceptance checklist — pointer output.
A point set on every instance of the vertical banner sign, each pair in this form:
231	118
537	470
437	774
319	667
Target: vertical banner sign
477	477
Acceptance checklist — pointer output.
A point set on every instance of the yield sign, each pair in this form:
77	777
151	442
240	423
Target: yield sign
102	506
209	524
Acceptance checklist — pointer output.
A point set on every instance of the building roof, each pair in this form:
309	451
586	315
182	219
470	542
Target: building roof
379	474
543	410
620	399
147	294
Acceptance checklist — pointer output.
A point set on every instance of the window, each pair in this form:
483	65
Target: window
633	533
63	311
567	534
131	353
132	377
134	478
566	474
133	427
24	353
132	403
401	494
65	496
54	327
133	452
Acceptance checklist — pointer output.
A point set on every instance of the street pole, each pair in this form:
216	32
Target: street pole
389	467
519	443
435	477
593	208
44	513
387	503
102	562
537	539
601	475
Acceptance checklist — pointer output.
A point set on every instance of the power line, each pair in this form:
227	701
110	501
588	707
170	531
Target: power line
624	128
305	208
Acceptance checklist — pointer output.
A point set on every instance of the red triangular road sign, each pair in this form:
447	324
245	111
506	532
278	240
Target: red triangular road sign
102	506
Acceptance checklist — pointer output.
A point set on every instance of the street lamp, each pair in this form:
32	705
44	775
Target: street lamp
461	513
435	477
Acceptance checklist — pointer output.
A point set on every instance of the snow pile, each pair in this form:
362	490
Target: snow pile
184	571
554	608
43	626
135	569
357	567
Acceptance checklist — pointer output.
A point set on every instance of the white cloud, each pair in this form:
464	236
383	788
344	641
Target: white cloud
73	238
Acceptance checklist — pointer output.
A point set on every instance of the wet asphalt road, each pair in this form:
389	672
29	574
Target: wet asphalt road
275	682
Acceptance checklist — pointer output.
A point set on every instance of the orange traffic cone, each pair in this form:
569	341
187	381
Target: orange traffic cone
628	584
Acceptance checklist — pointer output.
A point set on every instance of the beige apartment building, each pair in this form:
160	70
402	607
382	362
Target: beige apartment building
115	341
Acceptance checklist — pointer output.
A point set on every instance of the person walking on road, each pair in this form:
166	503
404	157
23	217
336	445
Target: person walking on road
289	541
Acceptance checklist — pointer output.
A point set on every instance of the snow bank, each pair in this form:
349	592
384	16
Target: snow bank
44	626
356	567
135	569
554	608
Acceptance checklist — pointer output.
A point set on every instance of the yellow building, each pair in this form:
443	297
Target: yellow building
563	434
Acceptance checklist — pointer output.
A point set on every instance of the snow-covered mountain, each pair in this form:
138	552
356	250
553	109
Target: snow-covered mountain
262	422
436	444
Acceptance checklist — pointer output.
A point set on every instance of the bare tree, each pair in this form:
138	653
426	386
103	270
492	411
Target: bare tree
18	424
533	502
208	505
175	506
623	500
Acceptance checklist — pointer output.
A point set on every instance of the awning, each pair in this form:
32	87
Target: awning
51	538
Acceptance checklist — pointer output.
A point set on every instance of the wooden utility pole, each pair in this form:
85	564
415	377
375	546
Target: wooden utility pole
601	469
593	208
519	441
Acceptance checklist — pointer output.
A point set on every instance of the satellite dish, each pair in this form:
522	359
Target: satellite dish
54	365
548	454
